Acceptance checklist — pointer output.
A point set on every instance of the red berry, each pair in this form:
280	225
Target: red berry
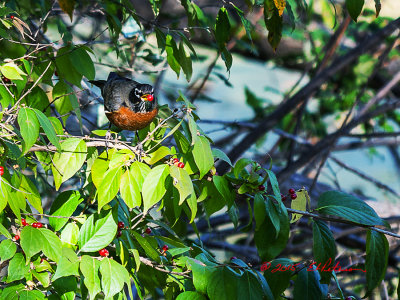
292	191
261	188
34	225
233	257
39	225
150	97
121	225
293	196
165	248
104	252
16	237
119	233
42	259
175	160
283	197
23	222
56	73
6	80
1	170
148	230
12	17
181	165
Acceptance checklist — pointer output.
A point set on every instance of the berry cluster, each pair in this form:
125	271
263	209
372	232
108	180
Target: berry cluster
164	249
178	163
121	225
6	80
292	194
104	252
37	225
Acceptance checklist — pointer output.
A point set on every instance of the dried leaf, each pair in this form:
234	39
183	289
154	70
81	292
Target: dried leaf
67	6
280	5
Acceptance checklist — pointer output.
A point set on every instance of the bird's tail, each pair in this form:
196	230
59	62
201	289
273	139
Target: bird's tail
98	83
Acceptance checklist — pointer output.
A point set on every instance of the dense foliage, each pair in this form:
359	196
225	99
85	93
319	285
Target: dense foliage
84	216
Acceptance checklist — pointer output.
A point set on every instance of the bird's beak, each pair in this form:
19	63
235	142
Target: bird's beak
147	97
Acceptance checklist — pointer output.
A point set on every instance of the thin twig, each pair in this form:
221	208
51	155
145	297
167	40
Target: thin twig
365	176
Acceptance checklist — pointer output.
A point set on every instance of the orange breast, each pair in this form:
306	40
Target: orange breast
126	119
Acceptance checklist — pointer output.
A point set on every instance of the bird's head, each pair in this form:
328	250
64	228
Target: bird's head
143	92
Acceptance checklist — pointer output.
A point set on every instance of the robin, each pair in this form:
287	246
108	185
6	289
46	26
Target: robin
128	104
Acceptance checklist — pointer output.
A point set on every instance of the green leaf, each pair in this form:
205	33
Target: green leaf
64	206
11	292
50	243
348	207
185	61
17	268
222	284
324	248
69	235
189	295
249	287
153	186
89	267
29	127
66	101
274	25
100	166
172	54
65	67
221	155
275	185
147	247
113	277
70	160
7	249
32	194
129	189
227	58
34	240
273	210
182	182
31	295
97	234
30	241
48	129
12	71
140	171
224	188
203	156
160	153
269	243
4	230
376	259
240	165
307	286
109	186
377	7
43	277
83	63
222	28
68	264
260	211
201	274
278	281
354	7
